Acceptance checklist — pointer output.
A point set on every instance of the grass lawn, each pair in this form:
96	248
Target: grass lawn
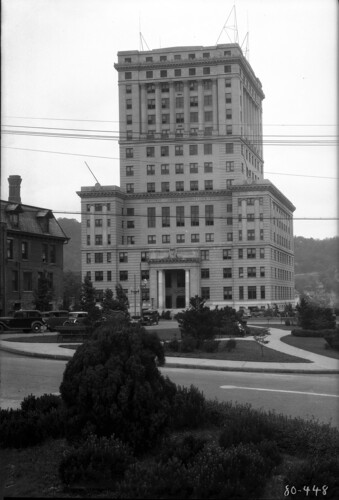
311	344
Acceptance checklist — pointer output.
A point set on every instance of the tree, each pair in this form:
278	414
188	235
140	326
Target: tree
88	301
122	298
313	317
112	385
72	290
108	301
43	295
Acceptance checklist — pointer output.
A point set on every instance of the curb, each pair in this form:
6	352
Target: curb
185	366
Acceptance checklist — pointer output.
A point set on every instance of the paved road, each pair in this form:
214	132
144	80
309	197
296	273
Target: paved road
292	394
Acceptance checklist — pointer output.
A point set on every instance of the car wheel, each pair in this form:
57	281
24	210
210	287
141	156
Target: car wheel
66	323
36	327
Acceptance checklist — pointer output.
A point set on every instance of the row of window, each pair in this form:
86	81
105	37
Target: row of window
229	271
180	118
178	150
48	252
179	186
253	292
178	86
177	72
99	222
178	57
282	257
26	281
180	168
164	103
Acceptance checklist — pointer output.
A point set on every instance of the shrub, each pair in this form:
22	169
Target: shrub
173	345
313	317
183	448
166	315
188	344
245	428
41	404
230	345
113	383
188	408
270	452
298	332
210	345
96	459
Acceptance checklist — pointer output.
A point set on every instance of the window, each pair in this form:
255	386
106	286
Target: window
193	85
179	102
229	236
194	101
129	152
123	275
208	100
129	170
150	169
206	54
44	253
262	253
178	86
227	293
207	84
209	215
165	118
205	292
179	168
149	74
108	239
250	201
177	72
208	185
109	257
206	71
166	238
88	258
193	149
144	256
165	187
240	253
128	103
195	238
205	254
194	186
151	120
208	166
251	272
205	274
128	75
150	187
98	275
228	68
229	130
250	217
195	215
88	274
163	74
228	83
251	253
250	234
227	254
98	258
228	114
128	89
193	168
165	216
98	239
179	150
230	166
109	275
180	216
129	188
241	292
208	116
151	217
227	272
130	224
262	292
229	221
15	281
24	250
252	292
241	272
179	186
228	98
192	71
27	281
88	239
261	234
150	151
262	272
123	257
151	239
98	222
179	118
209	237
207	149
180	238
194	117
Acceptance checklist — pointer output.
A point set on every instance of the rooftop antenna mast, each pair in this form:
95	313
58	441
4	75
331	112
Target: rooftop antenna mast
142	39
231	26
246	42
92	174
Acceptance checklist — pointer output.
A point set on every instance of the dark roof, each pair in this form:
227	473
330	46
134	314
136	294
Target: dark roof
30	220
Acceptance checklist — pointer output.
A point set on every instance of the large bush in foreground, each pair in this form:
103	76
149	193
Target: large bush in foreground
113	385
314	317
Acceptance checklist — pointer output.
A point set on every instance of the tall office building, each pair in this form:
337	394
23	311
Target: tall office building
194	214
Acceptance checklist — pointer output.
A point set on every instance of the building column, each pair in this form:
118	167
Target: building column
215	105
186	107
157	108
201	119
161	285
187	287
172	108
143	102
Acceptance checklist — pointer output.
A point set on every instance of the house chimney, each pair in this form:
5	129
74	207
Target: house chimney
14	182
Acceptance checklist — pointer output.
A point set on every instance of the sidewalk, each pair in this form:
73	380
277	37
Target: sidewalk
318	364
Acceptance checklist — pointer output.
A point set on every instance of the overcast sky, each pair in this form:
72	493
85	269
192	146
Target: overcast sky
57	73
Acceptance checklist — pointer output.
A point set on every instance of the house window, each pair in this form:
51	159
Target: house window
98	222
229	207
205	292
165	118
193	168
178	86
209	237
192	71
44	254
88	239
88	258
151	239
194	186
179	118
262	272
208	185
252	292
98	239
250	234
150	151
179	168
229	148
150	187
262	292
241	272
128	103
195	215
240	253
166	238
179	150
144	256
227	293
229	221
164	151
207	149
205	273
227	254
165	85
228	68
250	217
208	116
150	169
149	74
230	166
109	275
165	216
251	253
109	257
194	117
24	250
177	72
228	129
128	75
209	215
129	188
164	169
98	258
123	257
227	272
165	187
179	186
151	217
129	170
261	234
98	275
208	166
180	238
241	292
27	281
193	149
194	101
195	238
193	85
208	100
163	74
262	253
251	272
123	275
130	224
180	216
229	236
205	255
128	89
228	114
228	97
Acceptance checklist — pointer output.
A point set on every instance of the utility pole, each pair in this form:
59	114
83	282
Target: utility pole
135	291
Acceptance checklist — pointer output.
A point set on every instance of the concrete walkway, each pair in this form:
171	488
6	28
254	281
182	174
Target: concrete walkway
316	363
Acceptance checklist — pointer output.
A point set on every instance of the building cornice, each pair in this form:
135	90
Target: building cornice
266	186
102	193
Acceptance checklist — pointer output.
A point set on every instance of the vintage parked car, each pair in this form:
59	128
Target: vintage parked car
150	317
54	319
26	320
76	318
